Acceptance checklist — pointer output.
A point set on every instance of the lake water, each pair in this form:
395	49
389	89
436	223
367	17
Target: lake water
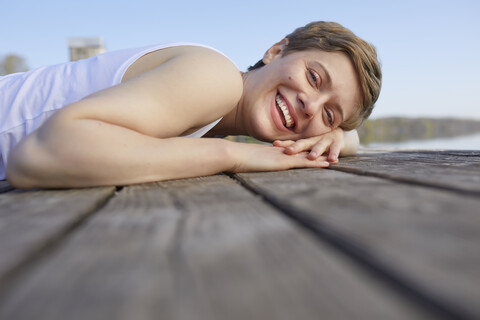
471	142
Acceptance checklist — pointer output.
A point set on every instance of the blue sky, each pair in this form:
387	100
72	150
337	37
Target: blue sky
429	49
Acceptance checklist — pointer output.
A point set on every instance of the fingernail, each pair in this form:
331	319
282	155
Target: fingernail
314	154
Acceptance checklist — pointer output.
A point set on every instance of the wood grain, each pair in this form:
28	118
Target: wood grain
428	237
452	170
202	248
32	220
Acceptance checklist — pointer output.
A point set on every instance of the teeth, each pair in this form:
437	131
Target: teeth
286	113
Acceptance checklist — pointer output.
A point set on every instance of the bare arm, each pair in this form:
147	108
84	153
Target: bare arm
128	134
106	154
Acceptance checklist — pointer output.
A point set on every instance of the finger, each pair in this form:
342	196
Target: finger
299	146
318	163
334	152
320	158
283	143
318	149
304	162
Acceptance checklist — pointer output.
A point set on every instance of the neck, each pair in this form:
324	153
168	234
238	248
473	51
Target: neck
233	123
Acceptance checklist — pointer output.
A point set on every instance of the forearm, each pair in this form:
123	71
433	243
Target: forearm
351	143
92	153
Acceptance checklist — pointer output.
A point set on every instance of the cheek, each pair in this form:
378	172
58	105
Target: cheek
316	128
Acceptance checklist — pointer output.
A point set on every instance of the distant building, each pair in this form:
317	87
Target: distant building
82	48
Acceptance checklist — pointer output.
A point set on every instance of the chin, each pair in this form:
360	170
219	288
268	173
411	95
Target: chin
266	136
262	128
263	132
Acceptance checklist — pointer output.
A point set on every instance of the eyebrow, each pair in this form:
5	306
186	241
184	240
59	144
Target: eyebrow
329	83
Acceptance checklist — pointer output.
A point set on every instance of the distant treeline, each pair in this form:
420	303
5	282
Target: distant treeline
398	129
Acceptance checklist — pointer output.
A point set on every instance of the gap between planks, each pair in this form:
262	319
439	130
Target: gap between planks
36	254
405	180
419	155
325	234
164	231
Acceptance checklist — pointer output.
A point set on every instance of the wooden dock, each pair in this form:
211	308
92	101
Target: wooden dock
382	235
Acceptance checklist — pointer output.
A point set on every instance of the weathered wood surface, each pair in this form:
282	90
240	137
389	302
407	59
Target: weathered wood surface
31	221
453	170
379	236
202	248
423	237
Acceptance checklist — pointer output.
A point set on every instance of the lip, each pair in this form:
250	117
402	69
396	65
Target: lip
292	112
278	118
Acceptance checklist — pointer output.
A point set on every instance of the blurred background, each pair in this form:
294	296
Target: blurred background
428	49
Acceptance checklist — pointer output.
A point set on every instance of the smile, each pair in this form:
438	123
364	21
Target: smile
286	113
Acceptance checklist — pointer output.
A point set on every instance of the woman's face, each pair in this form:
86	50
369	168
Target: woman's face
299	95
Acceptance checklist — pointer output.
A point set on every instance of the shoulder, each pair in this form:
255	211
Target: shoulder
183	87
200	54
213	69
190	71
197	61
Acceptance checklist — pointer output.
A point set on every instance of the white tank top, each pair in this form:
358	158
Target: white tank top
28	99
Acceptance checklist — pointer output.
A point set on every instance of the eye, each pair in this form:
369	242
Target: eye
329	117
314	76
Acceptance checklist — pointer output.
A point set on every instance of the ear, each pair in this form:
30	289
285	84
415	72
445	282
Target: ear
275	51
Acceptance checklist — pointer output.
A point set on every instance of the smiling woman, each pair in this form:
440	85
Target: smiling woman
138	115
309	94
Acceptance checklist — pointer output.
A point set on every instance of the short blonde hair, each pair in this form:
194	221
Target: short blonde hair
333	37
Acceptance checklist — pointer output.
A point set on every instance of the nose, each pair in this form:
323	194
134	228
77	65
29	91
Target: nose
312	104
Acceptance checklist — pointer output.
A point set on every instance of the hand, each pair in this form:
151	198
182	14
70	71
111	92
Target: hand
330	144
258	157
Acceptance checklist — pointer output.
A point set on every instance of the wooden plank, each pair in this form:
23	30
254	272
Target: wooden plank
424	240
5	186
32	220
454	170
202	248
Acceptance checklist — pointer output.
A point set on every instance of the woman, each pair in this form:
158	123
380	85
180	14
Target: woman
136	116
